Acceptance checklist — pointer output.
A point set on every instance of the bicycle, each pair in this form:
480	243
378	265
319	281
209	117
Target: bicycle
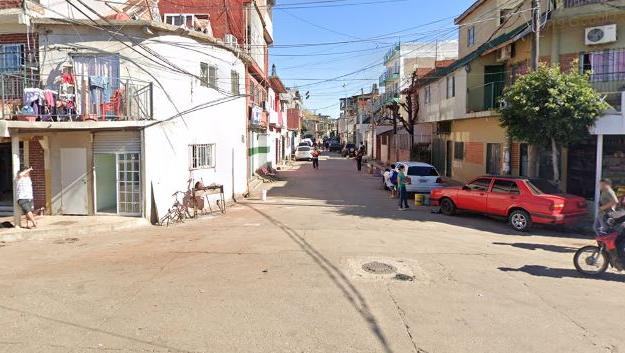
178	212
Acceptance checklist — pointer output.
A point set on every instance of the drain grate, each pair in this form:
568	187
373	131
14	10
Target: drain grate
403	277
379	268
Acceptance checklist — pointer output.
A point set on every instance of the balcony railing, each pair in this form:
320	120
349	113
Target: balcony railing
484	98
123	99
576	3
612	89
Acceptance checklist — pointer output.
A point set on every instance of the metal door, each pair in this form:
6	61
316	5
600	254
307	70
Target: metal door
74	181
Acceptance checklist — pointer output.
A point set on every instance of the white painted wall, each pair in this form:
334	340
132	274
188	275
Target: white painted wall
440	107
166	144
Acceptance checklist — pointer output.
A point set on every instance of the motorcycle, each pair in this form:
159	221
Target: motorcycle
595	260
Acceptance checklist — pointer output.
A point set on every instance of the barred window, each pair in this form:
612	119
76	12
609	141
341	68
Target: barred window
208	75
202	156
459	150
234	82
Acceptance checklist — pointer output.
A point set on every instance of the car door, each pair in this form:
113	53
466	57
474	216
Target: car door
503	194
473	196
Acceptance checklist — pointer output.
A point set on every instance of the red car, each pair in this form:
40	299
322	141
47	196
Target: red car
522	200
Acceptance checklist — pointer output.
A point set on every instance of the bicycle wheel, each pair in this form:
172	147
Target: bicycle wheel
222	206
166	219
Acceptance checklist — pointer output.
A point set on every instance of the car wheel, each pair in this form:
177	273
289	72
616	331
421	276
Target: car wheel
520	220
448	208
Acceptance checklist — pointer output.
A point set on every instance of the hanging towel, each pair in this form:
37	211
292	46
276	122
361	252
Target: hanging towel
49	96
32	95
100	82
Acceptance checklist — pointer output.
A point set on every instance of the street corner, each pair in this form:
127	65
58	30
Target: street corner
384	269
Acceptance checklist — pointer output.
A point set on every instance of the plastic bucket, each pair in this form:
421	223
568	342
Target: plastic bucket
418	199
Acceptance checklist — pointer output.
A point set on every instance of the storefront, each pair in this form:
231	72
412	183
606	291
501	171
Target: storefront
610	155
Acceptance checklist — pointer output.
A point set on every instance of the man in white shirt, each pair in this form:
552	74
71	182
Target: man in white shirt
24	193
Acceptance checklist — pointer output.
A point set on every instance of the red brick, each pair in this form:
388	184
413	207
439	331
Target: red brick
515	155
10	4
567	60
474	152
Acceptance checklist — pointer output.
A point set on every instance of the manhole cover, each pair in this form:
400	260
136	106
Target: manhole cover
379	268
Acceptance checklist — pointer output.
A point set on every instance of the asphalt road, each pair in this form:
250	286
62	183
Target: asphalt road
286	275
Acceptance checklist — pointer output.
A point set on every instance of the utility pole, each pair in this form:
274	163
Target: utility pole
536	29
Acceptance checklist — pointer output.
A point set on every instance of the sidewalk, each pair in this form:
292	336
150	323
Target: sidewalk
67	226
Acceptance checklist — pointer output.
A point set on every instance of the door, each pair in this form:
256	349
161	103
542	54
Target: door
449	158
494	77
106	182
493	158
524	160
473	195
128	184
504	194
74	181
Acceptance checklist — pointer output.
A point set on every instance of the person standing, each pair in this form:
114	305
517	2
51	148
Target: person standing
402	179
359	154
315	158
393	180
607	203
24	193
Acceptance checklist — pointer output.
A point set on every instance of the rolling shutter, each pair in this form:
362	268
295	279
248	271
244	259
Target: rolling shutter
117	142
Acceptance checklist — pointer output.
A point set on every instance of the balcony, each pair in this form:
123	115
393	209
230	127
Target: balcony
484	98
610	85
23	97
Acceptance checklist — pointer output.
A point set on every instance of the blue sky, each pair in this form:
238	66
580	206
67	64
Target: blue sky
389	20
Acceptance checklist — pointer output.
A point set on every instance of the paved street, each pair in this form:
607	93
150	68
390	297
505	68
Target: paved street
285	276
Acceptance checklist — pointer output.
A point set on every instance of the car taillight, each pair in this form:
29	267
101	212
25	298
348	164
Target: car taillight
556	207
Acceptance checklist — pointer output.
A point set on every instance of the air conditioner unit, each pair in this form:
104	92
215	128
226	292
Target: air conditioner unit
601	34
230	40
504	53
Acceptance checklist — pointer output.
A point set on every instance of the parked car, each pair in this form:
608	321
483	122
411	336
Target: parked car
303	153
349	150
423	177
523	201
307	141
334	146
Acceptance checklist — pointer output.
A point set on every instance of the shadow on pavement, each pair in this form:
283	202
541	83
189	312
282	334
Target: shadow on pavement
353	193
542	271
350	292
544	247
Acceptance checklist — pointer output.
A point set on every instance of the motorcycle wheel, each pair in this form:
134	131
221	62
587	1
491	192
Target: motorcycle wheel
591	261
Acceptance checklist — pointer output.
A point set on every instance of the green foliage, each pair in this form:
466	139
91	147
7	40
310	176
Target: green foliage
547	104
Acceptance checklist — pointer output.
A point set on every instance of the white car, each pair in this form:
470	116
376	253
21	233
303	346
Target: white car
303	153
423	177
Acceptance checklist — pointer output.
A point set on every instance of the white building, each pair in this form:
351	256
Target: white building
146	109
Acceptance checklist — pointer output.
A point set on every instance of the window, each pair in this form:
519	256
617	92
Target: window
451	86
543	186
504	14
234	83
480	184
605	65
422	171
201	156
11	57
471	36
428	95
179	20
208	75
505	187
459	150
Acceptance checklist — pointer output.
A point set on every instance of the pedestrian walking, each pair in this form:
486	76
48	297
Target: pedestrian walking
359	154
24	193
315	158
393	180
402	180
607	203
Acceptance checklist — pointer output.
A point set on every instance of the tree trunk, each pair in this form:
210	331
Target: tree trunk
554	161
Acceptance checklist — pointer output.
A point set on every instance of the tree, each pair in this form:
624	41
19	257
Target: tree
411	106
550	108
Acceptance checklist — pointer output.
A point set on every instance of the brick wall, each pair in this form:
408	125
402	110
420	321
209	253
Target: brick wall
10	4
474	152
35	160
566	61
293	119
545	60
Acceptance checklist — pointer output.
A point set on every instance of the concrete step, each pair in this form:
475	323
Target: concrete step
70	226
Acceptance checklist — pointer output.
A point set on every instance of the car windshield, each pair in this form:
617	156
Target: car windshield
543	186
303	149
422	171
